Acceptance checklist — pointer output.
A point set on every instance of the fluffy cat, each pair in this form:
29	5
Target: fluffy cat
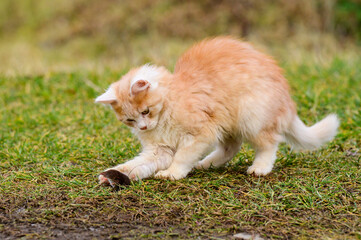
223	92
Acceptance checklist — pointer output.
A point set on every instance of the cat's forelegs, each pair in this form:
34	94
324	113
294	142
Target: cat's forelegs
151	160
184	160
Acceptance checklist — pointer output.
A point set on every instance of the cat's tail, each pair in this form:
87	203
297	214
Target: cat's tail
302	137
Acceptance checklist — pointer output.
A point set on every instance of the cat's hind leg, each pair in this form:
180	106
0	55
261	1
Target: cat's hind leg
223	153
265	157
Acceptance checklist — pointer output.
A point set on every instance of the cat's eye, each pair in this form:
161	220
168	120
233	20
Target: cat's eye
145	112
130	120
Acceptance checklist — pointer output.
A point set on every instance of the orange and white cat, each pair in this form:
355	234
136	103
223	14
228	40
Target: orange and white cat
223	92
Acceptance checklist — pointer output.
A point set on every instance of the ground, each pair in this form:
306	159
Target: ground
55	141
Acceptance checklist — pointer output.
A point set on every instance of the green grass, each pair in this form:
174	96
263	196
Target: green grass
55	140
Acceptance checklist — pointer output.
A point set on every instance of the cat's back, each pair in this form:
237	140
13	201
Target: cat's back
217	78
225	66
212	56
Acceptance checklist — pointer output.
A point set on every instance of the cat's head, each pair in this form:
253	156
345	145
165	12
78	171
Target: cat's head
138	97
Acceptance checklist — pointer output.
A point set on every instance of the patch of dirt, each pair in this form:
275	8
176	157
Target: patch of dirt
102	224
85	230
33	228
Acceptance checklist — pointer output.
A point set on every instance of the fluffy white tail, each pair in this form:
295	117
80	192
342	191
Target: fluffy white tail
308	138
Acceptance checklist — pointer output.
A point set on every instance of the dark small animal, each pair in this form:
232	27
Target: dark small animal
116	178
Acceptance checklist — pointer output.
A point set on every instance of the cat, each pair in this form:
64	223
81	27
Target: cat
223	92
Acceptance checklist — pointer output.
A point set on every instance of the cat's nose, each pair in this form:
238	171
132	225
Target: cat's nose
143	128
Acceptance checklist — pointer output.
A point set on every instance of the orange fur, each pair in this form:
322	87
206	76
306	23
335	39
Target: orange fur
222	92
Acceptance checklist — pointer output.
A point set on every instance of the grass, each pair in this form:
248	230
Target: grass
55	140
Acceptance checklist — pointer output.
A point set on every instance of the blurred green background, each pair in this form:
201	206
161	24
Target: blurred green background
37	36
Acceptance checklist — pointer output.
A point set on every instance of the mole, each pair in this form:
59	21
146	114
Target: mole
116	178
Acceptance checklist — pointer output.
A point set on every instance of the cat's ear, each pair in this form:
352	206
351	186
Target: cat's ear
140	86
108	97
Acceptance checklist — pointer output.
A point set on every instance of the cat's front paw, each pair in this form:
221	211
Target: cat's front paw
203	165
140	172
171	175
259	169
123	168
